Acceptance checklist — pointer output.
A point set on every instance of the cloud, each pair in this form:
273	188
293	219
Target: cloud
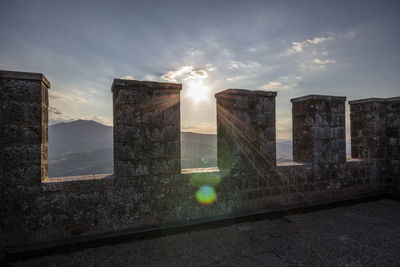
284	83
275	86
323	62
239	71
55	111
173	75
298	47
127	77
185	73
238	78
197	74
318	40
313	54
67	106
57	116
316	64
149	77
242	65
74	96
210	67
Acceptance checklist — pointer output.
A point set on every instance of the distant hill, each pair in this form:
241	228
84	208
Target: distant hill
78	136
86	147
198	150
80	147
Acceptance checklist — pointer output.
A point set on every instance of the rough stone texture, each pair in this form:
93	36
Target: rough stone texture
319	129
375	134
146	128
393	141
23	127
246	131
359	235
368	133
146	190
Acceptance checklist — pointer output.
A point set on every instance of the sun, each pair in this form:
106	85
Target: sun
197	91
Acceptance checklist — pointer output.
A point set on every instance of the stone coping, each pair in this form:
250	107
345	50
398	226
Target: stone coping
245	92
291	163
354	160
145	84
318	97
200	170
20	75
375	99
77	178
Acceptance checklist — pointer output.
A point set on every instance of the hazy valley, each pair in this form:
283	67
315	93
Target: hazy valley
86	147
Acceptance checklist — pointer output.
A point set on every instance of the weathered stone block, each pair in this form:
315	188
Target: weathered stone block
126	97
371	125
146	120
318	122
127	169
173	150
33	113
246	130
13	112
21	174
24	121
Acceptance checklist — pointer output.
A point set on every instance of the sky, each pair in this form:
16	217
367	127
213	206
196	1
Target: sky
344	48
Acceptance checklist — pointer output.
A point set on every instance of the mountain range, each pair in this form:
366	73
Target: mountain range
85	147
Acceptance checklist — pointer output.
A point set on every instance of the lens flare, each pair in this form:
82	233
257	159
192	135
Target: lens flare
206	195
204	160
209	179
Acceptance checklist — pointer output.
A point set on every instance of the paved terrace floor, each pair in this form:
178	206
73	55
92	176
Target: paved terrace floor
366	234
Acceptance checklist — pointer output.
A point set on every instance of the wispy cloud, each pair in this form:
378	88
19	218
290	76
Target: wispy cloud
323	62
69	105
239	77
316	64
127	77
149	77
175	75
68	97
188	73
314	54
284	83
275	86
197	74
57	116
298	47
244	65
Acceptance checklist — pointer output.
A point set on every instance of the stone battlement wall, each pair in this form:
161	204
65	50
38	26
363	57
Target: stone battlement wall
148	186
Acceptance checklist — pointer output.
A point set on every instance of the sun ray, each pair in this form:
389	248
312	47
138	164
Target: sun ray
198	91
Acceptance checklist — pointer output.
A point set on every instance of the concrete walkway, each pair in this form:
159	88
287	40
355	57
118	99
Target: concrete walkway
365	234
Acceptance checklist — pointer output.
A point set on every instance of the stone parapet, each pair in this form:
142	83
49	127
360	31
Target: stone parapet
23	127
146	128
375	133
246	137
367	127
319	129
149	188
393	140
